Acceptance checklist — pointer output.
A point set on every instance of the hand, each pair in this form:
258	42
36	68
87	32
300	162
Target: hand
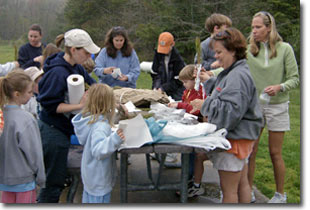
215	64
159	90
16	64
272	90
83	99
196	104
121	134
108	70
205	75
173	105
39	59
123	77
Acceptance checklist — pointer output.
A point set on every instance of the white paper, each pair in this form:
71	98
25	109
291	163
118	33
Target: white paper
136	132
116	73
131	107
76	89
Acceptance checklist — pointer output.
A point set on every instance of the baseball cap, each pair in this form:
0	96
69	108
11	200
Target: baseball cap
165	41
33	72
80	38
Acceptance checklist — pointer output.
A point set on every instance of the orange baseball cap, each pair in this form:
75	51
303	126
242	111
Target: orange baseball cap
165	41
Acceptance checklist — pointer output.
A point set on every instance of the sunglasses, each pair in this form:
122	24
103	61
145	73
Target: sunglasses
267	14
222	35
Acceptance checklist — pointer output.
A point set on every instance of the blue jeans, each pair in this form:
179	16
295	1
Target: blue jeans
55	150
88	198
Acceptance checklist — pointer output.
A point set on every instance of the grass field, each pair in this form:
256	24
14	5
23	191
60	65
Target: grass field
264	174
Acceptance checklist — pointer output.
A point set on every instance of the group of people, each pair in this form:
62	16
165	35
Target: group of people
234	73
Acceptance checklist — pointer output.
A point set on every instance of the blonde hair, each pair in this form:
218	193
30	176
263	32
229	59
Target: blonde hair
16	80
187	73
273	37
89	65
100	101
217	19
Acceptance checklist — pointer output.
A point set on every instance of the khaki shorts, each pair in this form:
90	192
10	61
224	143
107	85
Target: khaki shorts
276	116
226	161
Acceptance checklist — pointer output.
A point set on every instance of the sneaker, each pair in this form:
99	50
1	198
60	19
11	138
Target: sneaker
171	158
253	199
195	191
190	183
221	196
278	198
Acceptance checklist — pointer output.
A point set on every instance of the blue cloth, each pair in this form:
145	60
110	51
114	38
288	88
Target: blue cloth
130	66
53	90
18	187
88	198
27	53
98	167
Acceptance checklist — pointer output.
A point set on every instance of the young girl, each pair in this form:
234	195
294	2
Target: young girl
93	130
21	156
189	94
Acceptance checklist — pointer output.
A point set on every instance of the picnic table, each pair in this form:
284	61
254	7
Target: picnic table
74	164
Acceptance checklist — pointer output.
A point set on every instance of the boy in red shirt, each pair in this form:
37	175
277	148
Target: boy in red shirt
186	75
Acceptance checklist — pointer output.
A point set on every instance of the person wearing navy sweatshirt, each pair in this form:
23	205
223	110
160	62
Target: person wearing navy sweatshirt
55	116
30	54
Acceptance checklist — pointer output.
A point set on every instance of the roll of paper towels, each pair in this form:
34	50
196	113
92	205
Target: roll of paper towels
76	89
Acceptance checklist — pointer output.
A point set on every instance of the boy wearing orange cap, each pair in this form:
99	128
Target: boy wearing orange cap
167	65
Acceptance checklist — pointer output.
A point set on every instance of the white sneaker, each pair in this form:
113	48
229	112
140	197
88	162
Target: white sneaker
278	198
195	191
253	199
171	158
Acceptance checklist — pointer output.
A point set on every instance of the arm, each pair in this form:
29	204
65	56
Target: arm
291	74
7	67
134	68
30	144
24	59
291	69
103	144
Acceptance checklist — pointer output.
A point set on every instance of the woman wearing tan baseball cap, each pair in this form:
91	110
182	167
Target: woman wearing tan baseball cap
55	115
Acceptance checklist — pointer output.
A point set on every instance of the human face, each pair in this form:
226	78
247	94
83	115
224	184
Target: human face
23	97
189	84
34	38
118	42
79	56
259	30
223	56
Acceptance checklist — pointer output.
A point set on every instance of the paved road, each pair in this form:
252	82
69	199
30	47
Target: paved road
138	174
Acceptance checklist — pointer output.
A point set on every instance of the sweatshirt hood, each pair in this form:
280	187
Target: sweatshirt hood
81	128
57	60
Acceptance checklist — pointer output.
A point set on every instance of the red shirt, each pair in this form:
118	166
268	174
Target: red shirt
188	96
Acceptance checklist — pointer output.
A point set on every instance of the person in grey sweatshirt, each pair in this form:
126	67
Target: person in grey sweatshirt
232	104
21	155
93	129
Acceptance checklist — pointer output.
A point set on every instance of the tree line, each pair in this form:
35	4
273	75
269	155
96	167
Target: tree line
144	19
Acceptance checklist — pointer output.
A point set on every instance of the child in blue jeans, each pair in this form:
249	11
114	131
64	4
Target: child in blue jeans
93	129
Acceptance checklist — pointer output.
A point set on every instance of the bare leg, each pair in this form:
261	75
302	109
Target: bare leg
275	150
229	182
252	164
244	189
199	168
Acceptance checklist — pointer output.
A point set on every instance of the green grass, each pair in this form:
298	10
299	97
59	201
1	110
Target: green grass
291	154
264	173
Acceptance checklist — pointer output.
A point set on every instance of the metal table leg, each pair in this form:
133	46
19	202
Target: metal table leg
184	177
123	177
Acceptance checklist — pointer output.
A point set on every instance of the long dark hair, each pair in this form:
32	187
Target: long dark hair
108	43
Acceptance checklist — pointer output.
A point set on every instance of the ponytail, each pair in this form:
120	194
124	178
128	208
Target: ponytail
16	80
